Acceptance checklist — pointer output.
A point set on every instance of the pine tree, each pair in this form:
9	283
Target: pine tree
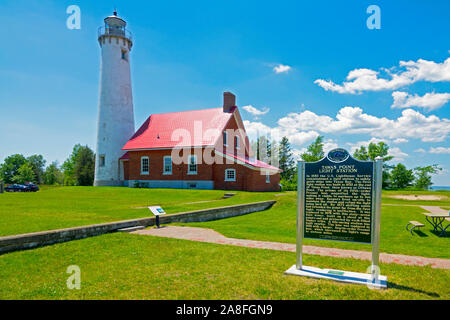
286	160
314	151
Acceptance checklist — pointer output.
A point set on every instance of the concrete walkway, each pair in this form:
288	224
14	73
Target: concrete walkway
435	209
211	236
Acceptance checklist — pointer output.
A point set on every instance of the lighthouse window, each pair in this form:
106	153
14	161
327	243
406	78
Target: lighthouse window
124	55
102	160
144	165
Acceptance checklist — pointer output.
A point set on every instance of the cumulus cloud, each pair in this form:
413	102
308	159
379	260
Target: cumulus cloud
400	140
434	150
429	101
280	68
304	127
440	150
254	111
408	72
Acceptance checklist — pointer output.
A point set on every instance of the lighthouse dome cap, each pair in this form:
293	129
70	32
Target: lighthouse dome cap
114	20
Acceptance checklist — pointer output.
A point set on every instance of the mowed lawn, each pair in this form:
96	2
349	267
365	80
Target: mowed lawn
279	224
63	207
127	266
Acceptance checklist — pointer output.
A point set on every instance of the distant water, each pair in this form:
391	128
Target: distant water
435	188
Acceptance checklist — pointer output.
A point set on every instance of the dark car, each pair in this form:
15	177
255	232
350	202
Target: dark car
28	187
31	187
16	188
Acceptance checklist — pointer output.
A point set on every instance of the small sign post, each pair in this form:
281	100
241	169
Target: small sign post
157	211
339	198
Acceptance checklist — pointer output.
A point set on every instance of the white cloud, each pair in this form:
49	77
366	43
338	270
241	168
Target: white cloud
304	127
400	140
397	154
254	111
359	80
440	150
352	120
281	68
422	150
428	101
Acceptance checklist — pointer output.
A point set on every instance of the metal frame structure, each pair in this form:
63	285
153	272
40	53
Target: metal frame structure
373	279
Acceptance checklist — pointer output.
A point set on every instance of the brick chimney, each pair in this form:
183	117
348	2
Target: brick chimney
229	101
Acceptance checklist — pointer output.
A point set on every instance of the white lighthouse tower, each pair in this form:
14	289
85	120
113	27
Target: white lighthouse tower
115	109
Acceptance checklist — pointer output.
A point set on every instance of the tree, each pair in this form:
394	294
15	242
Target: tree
79	168
286	160
68	167
314	151
373	151
85	166
37	163
53	174
423	176
263	148
10	167
401	177
24	174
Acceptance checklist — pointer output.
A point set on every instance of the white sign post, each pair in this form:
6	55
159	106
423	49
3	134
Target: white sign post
157	211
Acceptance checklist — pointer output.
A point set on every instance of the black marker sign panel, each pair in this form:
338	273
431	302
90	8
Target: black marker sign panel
338	198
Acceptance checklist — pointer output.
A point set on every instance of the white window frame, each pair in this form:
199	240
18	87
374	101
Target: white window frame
102	160
267	177
225	138
164	165
237	142
142	166
226	174
189	164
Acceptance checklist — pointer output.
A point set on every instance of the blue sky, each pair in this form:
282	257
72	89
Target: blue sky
186	53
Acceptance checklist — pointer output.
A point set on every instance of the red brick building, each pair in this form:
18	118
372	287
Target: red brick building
200	149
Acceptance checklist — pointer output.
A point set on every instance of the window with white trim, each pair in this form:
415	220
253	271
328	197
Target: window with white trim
225	138
192	166
145	165
167	165
267	178
230	175
236	141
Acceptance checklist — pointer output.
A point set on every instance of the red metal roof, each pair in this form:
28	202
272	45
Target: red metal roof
125	156
254	162
180	129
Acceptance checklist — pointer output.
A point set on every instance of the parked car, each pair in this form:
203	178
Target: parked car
16	188
28	187
31	187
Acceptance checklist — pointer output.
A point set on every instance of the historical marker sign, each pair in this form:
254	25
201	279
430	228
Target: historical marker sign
338	193
339	198
157	210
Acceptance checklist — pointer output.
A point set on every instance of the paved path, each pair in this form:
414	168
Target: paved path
211	236
435	209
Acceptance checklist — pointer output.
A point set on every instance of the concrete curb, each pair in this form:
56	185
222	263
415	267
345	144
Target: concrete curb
43	238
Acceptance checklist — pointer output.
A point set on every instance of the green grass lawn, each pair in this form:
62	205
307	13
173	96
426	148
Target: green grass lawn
63	207
126	266
279	224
